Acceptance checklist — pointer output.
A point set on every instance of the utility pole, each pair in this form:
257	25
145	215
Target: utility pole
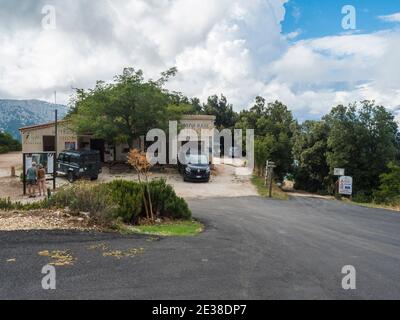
56	143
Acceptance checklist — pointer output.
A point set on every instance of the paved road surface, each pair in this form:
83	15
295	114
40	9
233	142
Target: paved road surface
253	248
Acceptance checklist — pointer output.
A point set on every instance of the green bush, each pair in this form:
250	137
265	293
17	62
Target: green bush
85	197
177	208
8	205
8	143
119	199
389	190
166	203
362	197
4	149
128	196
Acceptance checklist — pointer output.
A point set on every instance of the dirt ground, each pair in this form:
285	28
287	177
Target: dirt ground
224	182
43	220
8	160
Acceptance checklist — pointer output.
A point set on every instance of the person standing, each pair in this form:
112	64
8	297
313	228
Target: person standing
31	180
41	179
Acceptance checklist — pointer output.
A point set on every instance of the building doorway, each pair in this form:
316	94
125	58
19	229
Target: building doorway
99	145
49	143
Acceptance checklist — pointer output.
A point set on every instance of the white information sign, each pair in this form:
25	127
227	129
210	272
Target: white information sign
50	163
346	185
339	172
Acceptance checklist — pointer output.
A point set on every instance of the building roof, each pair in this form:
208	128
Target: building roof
51	124
198	117
42	126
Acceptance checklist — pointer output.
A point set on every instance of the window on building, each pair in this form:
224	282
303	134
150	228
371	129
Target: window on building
70	146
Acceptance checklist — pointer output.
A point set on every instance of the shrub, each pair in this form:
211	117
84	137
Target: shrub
177	208
389	190
128	197
119	199
8	205
362	197
4	149
166	203
85	197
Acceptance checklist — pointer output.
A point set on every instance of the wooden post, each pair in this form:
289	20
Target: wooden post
13	172
271	173
266	173
24	172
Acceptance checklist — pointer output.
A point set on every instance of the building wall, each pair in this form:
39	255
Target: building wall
198	123
32	139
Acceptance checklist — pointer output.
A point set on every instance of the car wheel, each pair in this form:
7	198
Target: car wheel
71	177
94	178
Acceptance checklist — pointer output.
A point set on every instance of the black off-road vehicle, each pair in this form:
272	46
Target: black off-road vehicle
79	164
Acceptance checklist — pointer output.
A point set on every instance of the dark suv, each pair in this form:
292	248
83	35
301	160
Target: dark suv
79	164
197	168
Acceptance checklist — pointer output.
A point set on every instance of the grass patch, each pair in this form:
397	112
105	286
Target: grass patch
373	205
263	191
170	229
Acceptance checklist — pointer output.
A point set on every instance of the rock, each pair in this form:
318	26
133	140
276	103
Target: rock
86	215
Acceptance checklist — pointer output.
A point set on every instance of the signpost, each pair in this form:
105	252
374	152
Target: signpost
346	186
46	159
338	172
269	173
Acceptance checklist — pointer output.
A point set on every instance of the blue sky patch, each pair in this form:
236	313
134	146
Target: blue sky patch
316	18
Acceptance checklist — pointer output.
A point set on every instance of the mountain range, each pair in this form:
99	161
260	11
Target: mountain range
15	114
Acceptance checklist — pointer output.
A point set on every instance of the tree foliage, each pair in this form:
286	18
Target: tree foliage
126	109
8	143
361	137
222	110
310	146
273	126
389	189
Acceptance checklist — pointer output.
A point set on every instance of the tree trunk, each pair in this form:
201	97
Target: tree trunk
150	203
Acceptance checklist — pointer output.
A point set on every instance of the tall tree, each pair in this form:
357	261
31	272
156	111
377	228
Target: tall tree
8	143
273	126
363	139
123	111
310	146
219	107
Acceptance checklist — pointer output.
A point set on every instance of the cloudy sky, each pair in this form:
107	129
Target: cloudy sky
296	51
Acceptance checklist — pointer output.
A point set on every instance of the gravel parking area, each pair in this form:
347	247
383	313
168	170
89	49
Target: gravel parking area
8	160
224	183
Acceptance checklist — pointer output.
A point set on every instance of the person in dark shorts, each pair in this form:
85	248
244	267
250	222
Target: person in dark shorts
31	179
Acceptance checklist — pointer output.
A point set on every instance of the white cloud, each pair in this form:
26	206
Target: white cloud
235	47
395	17
340	69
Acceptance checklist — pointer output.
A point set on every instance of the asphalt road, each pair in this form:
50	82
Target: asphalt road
252	248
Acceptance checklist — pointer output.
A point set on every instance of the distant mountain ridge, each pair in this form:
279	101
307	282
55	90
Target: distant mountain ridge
15	114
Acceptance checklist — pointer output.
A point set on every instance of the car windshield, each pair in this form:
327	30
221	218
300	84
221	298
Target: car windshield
197	159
